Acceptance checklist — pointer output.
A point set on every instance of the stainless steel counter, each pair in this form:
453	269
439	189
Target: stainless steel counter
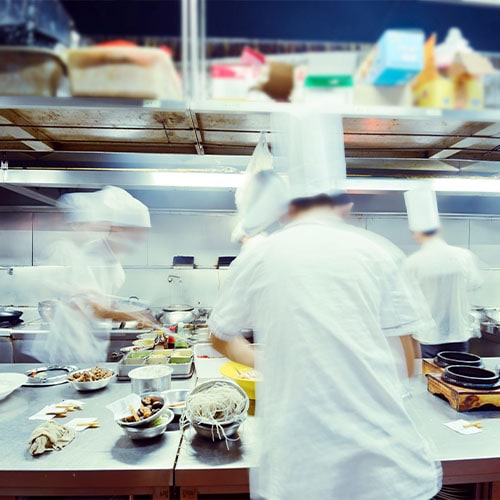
99	461
206	468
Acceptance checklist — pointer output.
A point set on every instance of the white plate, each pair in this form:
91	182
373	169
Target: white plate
9	382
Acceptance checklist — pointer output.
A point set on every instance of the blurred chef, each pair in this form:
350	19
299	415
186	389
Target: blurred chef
342	205
446	275
78	331
322	297
261	199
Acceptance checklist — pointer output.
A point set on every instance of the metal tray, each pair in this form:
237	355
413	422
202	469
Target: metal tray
44	376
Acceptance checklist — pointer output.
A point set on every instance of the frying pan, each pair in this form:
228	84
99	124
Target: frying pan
10	315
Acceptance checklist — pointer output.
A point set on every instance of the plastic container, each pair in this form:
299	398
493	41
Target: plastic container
30	71
135	358
151	379
136	72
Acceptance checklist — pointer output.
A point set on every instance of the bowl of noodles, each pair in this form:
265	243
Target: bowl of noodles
215	409
244	376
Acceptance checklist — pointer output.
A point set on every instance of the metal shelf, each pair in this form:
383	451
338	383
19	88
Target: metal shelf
58	133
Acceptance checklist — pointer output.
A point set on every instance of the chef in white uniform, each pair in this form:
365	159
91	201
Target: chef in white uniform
81	316
322	297
446	274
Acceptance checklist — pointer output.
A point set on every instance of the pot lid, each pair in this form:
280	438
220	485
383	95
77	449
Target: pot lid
178	307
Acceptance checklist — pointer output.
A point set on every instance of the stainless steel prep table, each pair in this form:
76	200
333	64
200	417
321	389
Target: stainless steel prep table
99	461
204	468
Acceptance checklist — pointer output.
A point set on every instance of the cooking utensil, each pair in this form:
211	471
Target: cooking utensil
448	358
471	377
49	375
10	316
151	378
175	399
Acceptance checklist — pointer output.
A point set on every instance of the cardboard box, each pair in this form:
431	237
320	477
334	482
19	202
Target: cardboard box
277	80
396	59
371	95
233	81
436	93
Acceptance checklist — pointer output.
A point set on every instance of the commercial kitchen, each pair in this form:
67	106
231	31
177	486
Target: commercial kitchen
171	103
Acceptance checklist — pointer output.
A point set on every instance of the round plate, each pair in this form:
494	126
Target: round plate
44	376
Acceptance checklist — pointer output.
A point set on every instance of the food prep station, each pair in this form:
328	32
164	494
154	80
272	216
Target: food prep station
104	461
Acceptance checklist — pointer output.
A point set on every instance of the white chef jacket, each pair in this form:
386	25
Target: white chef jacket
446	275
322	297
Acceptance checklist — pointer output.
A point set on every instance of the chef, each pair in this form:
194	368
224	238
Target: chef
446	275
81	318
342	205
323	297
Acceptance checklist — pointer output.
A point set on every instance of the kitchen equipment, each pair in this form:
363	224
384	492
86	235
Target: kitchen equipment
235	372
30	71
462	398
447	358
10	316
155	429
178	313
471	376
9	382
174	399
46	309
151	378
183	261
44	376
223	262
210	431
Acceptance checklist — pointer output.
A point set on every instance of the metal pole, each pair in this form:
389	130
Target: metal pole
194	50
185	49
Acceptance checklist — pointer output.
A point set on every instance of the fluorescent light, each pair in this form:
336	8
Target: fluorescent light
197	179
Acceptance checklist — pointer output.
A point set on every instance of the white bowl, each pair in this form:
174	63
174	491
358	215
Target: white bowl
92	386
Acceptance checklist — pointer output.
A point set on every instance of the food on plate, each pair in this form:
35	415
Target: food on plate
150	405
91	375
249	375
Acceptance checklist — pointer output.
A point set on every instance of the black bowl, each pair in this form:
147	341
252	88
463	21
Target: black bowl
471	377
448	358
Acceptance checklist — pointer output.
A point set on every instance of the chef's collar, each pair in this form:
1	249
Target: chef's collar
433	241
321	214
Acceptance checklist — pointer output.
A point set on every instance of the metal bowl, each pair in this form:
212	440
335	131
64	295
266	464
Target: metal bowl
92	386
156	428
146	421
212	432
174	396
46	309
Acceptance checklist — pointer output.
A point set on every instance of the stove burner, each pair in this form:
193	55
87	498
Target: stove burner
471	377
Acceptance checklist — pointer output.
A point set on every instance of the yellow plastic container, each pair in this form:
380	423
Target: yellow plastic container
233	370
437	93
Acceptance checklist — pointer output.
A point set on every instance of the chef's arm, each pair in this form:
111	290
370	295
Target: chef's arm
237	349
103	312
411	351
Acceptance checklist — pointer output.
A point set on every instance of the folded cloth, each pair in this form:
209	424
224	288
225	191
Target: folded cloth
50	436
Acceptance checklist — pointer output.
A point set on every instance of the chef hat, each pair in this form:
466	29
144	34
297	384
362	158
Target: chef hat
421	205
120	208
111	205
310	145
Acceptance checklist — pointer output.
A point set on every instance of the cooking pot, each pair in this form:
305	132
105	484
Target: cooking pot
471	377
448	358
10	316
178	313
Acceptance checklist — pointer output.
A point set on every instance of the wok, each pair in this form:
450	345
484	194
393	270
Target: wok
178	313
10	316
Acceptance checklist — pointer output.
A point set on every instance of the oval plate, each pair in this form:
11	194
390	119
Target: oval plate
44	376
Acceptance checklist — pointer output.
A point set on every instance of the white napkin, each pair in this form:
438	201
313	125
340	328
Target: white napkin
78	424
42	414
458	426
120	408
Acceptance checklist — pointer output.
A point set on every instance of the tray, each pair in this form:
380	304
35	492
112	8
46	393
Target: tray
181	371
44	376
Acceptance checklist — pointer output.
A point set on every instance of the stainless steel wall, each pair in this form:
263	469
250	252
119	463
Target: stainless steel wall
27	240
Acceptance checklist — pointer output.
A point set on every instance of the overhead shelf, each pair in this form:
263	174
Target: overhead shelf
384	141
